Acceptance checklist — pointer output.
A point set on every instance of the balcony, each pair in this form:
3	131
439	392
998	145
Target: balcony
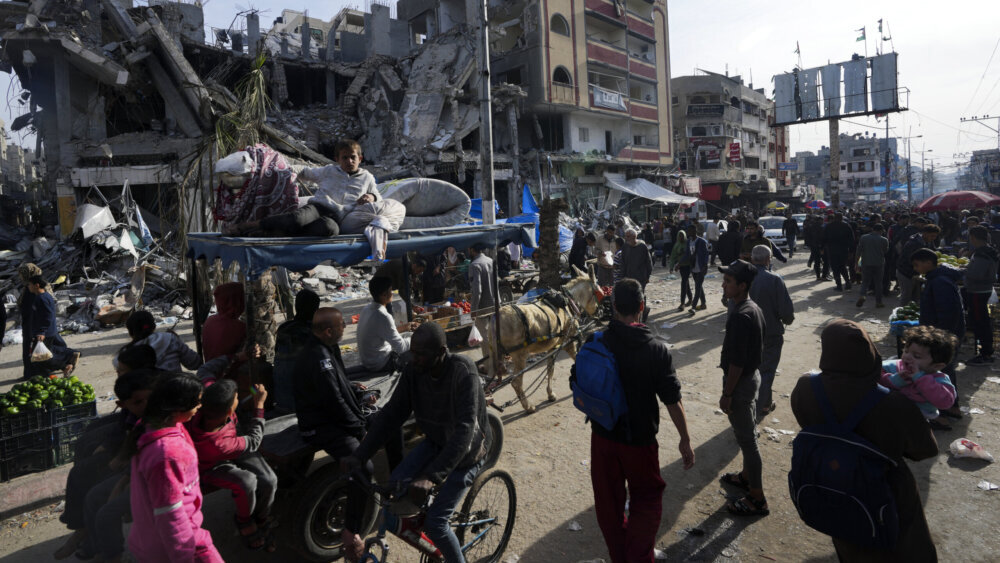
607	54
642	110
563	94
642	68
641	26
706	110
605	9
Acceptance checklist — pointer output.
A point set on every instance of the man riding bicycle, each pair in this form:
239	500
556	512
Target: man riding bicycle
444	394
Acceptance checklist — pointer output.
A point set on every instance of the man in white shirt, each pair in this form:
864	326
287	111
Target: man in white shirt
379	341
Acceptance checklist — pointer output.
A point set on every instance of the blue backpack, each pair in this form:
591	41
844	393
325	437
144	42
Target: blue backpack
597	389
839	480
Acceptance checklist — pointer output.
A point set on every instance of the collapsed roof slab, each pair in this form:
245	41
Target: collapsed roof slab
89	62
184	75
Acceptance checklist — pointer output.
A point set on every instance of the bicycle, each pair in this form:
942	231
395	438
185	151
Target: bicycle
489	522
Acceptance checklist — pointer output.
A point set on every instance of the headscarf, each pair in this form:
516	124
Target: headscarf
230	299
27	271
848	351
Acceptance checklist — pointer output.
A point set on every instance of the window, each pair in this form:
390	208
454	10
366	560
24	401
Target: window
717	130
674	100
559	25
735	102
698	132
696	100
561	76
584	135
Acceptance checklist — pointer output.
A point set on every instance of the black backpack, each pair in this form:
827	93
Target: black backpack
839	480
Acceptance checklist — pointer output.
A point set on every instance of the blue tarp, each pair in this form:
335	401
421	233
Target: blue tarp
476	211
528	204
256	255
896	187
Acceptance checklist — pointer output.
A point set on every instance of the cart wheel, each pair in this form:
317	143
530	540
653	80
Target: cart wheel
495	423
529	285
487	518
318	516
506	295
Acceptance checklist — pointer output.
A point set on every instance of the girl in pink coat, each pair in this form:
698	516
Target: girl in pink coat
166	495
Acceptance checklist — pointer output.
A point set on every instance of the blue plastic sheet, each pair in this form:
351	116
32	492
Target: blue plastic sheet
476	211
257	255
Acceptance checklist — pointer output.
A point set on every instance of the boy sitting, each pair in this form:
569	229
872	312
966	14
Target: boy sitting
918	374
229	461
347	201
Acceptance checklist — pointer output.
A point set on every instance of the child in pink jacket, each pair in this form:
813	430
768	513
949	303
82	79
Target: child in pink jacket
166	495
918	374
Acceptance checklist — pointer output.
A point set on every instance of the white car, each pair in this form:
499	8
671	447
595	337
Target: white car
772	230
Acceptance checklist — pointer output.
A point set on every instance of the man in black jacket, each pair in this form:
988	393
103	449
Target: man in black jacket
628	454
328	407
444	394
838	242
728	247
908	291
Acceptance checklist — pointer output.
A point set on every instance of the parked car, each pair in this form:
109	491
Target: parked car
772	230
800	218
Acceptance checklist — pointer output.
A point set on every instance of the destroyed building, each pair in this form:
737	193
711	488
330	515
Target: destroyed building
119	92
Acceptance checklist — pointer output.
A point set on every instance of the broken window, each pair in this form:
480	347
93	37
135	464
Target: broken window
561	76
559	25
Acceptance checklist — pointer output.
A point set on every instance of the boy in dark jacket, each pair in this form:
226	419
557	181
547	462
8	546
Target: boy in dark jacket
980	276
941	305
229	460
627	455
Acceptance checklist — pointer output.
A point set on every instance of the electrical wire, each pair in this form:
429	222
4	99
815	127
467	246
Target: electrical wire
976	91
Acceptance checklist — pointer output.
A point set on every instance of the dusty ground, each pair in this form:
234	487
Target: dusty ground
548	453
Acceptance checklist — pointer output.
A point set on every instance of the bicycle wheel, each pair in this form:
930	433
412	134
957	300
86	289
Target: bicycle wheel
486	522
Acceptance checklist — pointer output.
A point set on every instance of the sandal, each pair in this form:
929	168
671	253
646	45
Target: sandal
253	537
769	410
737	480
748	506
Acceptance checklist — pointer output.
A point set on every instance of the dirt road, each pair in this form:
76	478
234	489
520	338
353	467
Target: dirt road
548	452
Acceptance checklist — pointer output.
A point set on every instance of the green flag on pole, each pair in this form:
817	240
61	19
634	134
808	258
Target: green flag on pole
862	36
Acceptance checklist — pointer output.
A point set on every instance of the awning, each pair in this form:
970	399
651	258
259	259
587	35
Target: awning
256	255
648	190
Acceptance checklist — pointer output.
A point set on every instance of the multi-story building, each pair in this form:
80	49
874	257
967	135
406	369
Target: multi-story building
597	77
984	171
723	136
863	168
809	168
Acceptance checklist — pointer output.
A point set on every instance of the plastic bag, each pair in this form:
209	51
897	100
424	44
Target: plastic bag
964	447
41	353
993	298
475	338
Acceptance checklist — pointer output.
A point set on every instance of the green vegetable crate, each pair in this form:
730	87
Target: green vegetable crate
37	440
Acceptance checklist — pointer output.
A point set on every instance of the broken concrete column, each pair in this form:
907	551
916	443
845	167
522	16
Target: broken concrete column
379	32
284	46
237	44
331	88
306	41
253	33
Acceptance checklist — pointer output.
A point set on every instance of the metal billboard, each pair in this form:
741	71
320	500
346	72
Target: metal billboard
860	86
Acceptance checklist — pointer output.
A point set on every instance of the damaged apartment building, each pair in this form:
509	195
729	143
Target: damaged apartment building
120	93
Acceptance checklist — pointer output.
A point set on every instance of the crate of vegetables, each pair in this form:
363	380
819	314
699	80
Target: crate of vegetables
42	402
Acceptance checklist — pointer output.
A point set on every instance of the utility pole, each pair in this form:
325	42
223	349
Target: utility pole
485	117
834	163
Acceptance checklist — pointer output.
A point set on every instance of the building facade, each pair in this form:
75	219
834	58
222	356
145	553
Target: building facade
723	136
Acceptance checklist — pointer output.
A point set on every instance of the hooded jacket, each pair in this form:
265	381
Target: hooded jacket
225	443
647	372
911	245
941	302
224	332
166	501
981	273
851	367
171	352
323	395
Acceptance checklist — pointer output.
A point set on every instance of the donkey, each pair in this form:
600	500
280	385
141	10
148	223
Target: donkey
541	326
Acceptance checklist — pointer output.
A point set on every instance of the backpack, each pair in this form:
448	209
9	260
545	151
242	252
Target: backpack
597	389
839	480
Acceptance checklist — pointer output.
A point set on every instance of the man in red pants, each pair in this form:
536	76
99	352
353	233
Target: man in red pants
624	460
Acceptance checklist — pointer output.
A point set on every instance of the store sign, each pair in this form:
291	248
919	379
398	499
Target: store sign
734	152
712	156
793	166
608	99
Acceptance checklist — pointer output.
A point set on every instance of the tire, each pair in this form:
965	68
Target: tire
496	444
506	294
492	496
318	517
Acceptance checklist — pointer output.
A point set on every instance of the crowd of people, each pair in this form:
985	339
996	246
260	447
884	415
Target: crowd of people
178	433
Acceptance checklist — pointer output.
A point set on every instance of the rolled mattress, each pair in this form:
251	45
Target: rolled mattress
429	203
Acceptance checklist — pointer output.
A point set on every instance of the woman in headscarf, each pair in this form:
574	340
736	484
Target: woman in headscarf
224	333
43	328
25	272
851	367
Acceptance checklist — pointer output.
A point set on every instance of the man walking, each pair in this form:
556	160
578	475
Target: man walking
741	356
770	294
625	464
712	236
872	249
838	240
979	279
790	228
636	263
481	286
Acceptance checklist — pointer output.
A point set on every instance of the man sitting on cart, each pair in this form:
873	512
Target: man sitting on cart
443	393
379	342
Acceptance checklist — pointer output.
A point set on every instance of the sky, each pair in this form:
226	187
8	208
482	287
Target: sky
948	58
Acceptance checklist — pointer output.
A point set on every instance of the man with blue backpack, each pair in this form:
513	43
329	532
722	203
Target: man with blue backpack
616	380
848	479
